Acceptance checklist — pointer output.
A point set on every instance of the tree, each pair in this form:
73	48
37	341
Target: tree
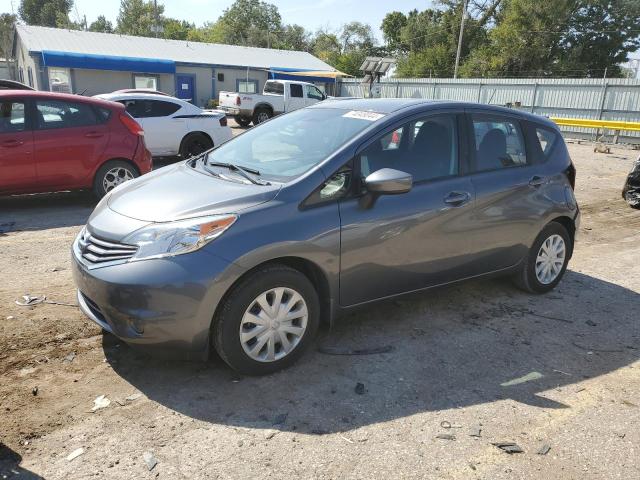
249	22
293	37
7	26
47	13
101	24
392	26
177	29
138	17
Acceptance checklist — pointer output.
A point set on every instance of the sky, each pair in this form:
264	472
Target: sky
311	14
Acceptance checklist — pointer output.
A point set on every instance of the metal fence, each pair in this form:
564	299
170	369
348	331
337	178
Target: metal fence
598	99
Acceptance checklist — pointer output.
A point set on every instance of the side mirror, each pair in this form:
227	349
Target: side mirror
388	181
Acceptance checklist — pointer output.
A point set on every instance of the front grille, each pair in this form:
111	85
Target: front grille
96	250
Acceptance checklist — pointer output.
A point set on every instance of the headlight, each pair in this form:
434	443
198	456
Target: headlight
176	238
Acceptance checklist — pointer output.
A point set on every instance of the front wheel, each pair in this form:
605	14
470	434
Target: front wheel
261	115
547	260
267	321
112	174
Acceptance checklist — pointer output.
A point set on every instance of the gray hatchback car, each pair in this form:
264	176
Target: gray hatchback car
249	247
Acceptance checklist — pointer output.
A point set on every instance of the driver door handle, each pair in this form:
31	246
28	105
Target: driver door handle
457	199
537	181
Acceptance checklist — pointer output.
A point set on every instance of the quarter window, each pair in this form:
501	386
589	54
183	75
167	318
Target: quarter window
498	143
56	114
11	116
60	80
427	149
547	140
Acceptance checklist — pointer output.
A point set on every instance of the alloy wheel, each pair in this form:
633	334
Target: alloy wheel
550	259
274	324
115	177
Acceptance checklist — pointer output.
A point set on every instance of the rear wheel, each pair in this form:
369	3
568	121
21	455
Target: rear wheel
194	144
261	114
243	121
547	260
267	321
112	174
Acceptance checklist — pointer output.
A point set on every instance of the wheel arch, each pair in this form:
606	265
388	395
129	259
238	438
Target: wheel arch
265	106
114	159
570	226
195	132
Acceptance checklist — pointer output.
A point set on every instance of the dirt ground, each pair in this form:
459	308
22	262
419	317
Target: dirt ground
432	407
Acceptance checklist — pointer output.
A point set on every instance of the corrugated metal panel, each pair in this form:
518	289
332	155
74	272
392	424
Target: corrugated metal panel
37	39
610	99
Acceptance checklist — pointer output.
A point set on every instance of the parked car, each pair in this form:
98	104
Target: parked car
173	126
278	96
248	247
142	90
13	85
631	189
54	141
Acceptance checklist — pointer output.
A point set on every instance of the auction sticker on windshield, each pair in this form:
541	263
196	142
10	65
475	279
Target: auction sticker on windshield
371	116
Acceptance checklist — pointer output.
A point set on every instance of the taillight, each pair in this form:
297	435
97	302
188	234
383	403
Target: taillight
570	172
223	121
238	100
133	126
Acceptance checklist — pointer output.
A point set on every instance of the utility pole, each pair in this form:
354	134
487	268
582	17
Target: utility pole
464	16
155	17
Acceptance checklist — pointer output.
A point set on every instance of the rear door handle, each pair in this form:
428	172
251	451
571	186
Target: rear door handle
537	180
457	199
12	143
94	135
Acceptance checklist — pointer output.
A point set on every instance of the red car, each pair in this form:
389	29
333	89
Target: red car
54	141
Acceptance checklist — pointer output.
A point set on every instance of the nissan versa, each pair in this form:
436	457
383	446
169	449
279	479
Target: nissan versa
248	247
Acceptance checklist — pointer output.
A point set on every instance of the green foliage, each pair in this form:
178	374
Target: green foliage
7	24
176	29
138	17
47	13
101	24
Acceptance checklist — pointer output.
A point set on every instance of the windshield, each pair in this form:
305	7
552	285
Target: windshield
289	145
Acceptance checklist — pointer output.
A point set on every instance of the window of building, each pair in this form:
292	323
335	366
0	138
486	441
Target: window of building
499	143
11	116
145	81
60	80
58	114
21	74
30	76
149	108
221	77
427	149
247	86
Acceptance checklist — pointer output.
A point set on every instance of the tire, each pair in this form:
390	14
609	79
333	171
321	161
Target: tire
194	144
112	174
241	305
527	279
261	114
243	121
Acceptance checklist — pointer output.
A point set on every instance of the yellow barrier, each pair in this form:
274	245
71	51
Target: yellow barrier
586	123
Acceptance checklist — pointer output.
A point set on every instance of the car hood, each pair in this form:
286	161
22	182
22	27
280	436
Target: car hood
178	191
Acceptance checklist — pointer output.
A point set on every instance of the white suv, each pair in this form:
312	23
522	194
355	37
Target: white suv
173	126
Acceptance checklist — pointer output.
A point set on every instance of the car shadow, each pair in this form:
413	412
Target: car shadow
45	211
10	465
475	343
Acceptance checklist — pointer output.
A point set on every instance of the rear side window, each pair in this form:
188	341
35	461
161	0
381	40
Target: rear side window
149	108
547	140
11	116
58	114
499	143
274	88
296	90
104	114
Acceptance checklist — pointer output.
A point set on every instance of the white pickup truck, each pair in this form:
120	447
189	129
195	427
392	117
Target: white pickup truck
278	96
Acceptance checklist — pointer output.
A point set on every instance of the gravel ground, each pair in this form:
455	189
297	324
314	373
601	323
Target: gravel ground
432	407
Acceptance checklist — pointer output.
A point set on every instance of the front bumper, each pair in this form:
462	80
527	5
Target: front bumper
162	304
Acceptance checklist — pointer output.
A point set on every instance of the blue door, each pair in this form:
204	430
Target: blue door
185	88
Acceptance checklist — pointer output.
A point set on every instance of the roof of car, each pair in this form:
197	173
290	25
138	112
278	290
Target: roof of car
391	105
53	95
138	95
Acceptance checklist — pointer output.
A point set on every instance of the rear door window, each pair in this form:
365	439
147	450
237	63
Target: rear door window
296	90
142	108
274	88
498	143
12	116
58	114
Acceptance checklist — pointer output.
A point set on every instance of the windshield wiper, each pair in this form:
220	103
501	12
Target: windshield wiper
243	171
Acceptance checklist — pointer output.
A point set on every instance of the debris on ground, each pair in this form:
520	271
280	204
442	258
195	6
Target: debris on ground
133	397
475	432
544	449
629	403
150	460
10	317
280	419
31	300
269	434
447	424
601	148
508	447
100	402
360	388
75	454
360	351
529	377
563	373
591	323
69	358
34	391
446	436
